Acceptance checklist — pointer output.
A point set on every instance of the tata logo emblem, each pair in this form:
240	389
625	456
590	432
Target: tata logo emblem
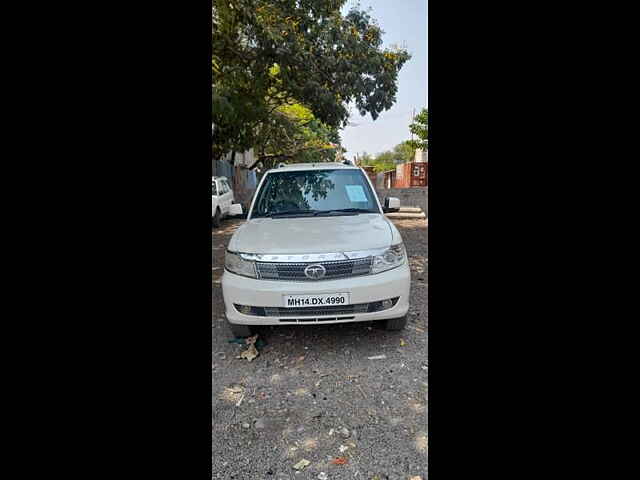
315	271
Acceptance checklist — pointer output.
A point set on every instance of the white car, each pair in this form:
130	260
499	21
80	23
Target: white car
316	248
221	199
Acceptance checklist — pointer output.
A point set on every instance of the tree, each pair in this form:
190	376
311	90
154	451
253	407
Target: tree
365	159
384	161
293	134
420	128
324	60
404	152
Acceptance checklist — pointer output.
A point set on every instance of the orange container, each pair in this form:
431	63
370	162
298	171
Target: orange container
413	174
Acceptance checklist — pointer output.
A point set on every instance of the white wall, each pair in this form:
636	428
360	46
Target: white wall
420	156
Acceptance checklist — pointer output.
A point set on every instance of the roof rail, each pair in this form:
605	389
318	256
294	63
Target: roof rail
280	165
348	162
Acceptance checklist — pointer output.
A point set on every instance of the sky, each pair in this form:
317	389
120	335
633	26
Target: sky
405	23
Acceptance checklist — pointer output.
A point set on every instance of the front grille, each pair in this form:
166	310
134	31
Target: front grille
295	271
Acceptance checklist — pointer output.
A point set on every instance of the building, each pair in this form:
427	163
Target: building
421	156
386	179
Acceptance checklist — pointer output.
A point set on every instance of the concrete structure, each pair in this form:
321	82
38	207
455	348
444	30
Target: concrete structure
421	156
409	197
386	179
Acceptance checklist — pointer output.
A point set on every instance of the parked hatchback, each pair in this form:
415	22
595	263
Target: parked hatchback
316	248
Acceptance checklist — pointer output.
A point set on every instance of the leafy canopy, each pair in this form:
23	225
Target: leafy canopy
293	134
272	53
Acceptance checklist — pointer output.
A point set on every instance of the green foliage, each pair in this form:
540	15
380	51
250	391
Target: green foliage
420	128
272	53
365	159
380	163
384	161
401	153
383	167
404	152
294	135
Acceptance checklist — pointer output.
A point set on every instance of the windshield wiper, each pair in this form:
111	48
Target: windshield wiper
344	210
292	212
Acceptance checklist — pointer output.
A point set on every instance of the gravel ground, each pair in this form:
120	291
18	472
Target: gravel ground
313	394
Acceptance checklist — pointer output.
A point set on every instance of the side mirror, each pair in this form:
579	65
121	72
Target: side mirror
391	204
236	209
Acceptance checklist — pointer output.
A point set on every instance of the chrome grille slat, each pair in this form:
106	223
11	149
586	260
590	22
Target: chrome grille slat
295	271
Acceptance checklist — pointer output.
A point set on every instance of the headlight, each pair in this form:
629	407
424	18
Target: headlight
393	257
238	265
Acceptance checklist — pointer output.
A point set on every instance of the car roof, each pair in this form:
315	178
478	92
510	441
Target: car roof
292	167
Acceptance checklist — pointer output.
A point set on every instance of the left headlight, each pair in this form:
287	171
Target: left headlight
393	257
238	265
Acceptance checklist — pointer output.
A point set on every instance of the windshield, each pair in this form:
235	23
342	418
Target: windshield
315	192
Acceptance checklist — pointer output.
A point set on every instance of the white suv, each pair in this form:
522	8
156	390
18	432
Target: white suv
221	199
316	248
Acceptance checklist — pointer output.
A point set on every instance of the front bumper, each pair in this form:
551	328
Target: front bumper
269	293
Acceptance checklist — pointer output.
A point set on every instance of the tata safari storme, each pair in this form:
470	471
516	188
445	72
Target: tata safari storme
316	248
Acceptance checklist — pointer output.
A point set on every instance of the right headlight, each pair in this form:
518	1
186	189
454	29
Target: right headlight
393	257
238	265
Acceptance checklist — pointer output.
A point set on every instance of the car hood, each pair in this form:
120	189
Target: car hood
314	234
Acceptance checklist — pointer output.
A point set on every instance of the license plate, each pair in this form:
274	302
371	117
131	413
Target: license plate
321	300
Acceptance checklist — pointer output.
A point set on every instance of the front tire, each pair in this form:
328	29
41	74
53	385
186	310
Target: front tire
395	323
240	331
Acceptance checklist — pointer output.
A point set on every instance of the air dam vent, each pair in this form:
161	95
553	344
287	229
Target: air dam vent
314	312
314	320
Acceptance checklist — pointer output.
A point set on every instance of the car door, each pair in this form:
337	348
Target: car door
223	194
215	190
231	199
228	196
